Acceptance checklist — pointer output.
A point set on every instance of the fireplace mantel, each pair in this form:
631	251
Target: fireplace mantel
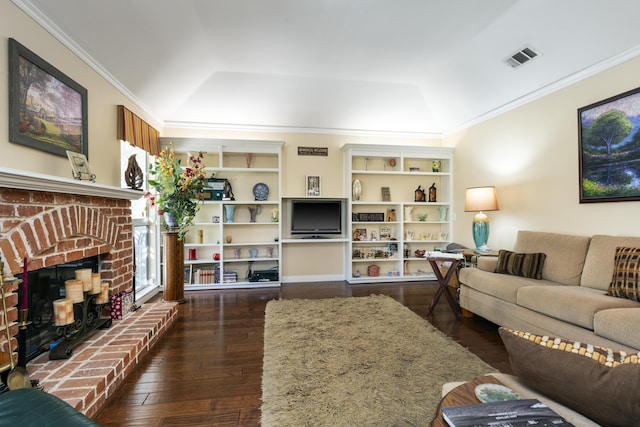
26	180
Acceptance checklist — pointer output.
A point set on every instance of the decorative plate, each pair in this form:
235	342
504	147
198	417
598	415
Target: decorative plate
494	393
261	191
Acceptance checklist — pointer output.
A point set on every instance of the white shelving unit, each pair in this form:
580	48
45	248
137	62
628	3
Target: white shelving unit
386	230
245	164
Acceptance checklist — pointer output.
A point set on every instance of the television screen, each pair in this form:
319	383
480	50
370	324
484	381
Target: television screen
316	217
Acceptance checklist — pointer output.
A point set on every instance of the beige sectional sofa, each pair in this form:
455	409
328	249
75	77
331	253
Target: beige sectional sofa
570	300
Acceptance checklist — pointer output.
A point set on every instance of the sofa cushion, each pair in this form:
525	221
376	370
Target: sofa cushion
598	266
565	254
626	268
619	325
498	285
525	265
595	381
573	304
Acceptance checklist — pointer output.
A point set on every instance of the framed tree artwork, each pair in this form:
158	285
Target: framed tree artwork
609	149
47	109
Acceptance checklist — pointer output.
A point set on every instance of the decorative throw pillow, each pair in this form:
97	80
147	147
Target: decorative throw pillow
598	382
526	265
624	283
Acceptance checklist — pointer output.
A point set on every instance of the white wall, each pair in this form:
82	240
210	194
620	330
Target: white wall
531	155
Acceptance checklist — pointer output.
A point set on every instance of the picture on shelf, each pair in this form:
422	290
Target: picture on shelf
385	232
391	215
386	194
392	249
359	234
187	274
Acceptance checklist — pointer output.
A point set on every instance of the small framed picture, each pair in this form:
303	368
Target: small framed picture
385	232
391	215
313	186
360	234
386	194
187	274
80	166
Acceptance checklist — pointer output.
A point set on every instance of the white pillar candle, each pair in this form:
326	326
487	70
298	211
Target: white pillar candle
63	312
103	298
84	274
95	284
74	290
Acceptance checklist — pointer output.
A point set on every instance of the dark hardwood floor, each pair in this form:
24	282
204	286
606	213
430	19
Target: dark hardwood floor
206	370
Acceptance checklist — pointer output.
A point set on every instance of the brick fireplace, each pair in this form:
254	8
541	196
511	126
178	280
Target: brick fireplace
52	221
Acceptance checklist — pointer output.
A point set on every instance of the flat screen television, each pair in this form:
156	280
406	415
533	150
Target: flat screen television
315	218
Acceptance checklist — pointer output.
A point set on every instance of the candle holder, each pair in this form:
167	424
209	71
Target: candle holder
87	314
23	315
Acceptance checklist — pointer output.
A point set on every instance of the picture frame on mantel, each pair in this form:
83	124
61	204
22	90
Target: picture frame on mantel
80	167
47	109
609	149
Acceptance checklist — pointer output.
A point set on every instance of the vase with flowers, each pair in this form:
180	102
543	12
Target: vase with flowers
178	190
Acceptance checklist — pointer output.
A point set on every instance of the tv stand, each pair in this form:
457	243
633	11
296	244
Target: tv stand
315	236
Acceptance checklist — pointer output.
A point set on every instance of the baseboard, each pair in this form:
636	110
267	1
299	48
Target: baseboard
316	278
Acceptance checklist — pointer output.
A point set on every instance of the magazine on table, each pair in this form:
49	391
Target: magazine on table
507	413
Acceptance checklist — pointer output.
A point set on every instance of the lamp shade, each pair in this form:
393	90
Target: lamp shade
480	199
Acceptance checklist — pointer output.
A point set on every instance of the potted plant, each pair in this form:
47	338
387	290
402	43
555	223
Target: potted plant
178	190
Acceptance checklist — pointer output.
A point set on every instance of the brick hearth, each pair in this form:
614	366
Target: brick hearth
99	365
47	221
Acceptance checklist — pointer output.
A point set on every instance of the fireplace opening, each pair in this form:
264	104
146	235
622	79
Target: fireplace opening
44	287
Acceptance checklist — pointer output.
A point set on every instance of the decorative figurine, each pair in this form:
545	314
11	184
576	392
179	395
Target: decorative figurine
228	191
133	174
254	211
419	194
408	212
432	193
357	189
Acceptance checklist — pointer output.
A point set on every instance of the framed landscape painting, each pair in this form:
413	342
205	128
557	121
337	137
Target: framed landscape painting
47	110
609	149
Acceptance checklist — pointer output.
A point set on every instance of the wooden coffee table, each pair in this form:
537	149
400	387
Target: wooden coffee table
464	394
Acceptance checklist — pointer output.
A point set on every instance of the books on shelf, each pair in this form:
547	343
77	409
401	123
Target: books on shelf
205	276
506	413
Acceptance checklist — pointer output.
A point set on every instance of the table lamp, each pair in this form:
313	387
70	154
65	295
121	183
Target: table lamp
479	199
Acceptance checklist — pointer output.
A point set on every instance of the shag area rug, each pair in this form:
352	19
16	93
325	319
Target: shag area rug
366	361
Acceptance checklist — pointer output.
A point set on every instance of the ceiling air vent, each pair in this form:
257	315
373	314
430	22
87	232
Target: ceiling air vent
521	57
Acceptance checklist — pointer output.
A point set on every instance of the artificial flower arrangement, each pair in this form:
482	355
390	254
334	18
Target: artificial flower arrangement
178	190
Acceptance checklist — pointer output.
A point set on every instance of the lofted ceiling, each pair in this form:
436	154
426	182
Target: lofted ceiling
423	67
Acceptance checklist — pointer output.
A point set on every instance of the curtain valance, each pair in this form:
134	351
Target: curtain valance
136	131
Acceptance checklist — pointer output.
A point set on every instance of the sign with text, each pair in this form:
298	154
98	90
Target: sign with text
313	151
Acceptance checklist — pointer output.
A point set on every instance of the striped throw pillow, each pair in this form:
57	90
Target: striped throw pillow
525	265
624	283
